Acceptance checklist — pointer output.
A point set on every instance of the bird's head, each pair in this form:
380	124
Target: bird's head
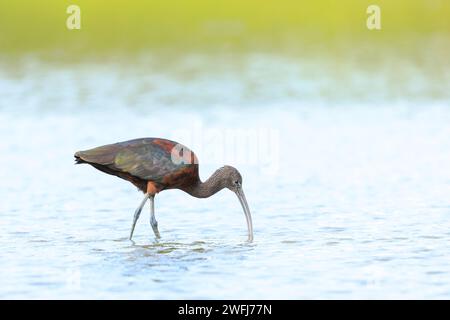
232	180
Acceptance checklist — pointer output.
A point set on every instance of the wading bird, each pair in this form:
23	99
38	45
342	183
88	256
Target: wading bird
154	164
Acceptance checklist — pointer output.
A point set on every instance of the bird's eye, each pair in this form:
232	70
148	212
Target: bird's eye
236	182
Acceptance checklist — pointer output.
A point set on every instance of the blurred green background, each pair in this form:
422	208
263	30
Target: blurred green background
263	25
243	52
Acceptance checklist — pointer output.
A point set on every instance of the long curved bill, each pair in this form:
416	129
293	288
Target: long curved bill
241	196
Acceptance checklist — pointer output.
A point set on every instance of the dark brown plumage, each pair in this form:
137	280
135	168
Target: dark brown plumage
143	160
154	164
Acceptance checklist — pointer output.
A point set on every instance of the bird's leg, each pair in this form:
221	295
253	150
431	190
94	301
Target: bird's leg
137	213
153	221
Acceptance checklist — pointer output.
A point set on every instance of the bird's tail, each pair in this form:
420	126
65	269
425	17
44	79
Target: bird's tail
78	159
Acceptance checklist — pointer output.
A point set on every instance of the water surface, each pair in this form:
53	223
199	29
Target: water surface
351	202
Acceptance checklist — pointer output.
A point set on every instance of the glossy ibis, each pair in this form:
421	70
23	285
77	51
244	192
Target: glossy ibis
154	164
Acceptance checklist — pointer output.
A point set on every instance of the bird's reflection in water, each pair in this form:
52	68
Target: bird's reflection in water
175	254
162	261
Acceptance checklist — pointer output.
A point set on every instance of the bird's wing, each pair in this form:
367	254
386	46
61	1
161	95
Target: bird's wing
148	159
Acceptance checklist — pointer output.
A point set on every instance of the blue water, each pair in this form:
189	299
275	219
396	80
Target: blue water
348	186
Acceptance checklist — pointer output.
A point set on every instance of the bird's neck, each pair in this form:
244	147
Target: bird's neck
200	189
